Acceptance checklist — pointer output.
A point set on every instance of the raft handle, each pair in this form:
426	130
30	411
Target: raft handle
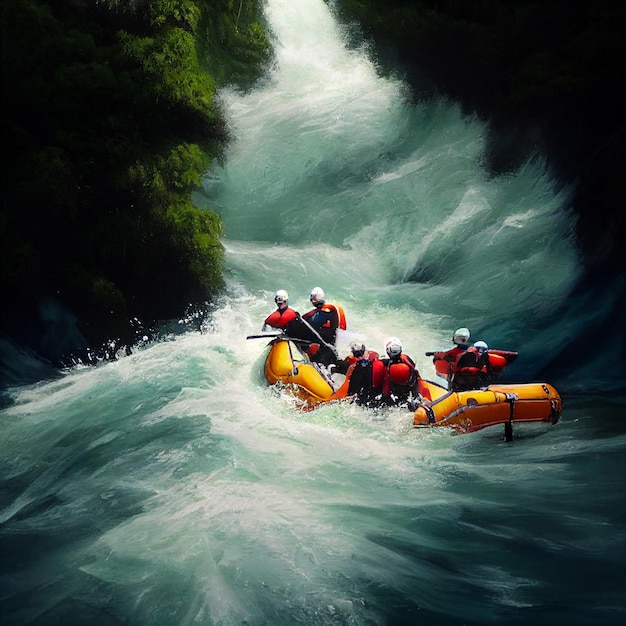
553	410
430	414
508	427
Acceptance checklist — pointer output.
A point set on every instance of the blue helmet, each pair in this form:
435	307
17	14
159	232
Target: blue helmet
481	347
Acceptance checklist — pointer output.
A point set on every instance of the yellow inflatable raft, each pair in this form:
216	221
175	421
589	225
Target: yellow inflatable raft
469	411
308	382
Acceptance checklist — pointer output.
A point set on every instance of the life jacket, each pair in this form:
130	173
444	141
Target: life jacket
378	375
360	376
399	374
369	355
325	320
469	363
471	370
493	362
484	368
499	359
334	314
450	355
444	361
342	318
281	317
365	376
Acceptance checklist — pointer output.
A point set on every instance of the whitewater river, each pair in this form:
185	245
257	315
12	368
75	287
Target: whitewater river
172	487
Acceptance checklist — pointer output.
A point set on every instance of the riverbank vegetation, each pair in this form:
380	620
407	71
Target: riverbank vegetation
110	119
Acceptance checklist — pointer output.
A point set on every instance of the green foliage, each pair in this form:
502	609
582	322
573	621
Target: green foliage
176	12
236	41
110	121
183	167
168	177
170	60
196	234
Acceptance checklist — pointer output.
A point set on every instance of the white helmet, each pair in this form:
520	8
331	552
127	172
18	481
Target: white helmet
317	296
461	336
357	349
281	297
393	347
481	346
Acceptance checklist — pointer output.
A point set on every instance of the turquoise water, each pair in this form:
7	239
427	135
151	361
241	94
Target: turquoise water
173	487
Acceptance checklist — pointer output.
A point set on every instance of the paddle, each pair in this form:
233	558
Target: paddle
279	335
328	345
274	335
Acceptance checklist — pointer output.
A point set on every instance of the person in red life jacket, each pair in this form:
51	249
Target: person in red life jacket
283	314
365	374
290	322
472	369
396	379
358	352
325	319
445	360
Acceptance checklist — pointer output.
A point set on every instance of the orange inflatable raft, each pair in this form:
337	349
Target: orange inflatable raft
469	411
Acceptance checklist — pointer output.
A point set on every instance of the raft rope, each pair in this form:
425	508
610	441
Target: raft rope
294	369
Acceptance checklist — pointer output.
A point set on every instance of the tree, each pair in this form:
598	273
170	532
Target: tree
110	122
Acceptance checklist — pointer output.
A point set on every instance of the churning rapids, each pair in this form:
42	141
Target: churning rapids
172	487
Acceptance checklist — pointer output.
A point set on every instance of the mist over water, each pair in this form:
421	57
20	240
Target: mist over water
173	487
